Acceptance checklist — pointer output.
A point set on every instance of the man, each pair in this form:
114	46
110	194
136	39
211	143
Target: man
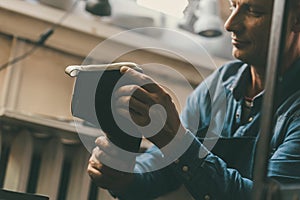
208	176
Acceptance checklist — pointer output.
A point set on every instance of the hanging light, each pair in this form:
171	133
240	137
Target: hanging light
202	17
209	23
98	7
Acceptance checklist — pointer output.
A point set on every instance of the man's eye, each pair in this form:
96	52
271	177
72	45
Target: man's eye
255	12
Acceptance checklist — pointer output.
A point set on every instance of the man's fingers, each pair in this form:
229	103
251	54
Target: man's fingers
106	146
93	171
136	92
133	104
137	118
141	79
102	179
101	162
109	178
111	155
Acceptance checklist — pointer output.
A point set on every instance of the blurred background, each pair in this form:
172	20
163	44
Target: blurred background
40	142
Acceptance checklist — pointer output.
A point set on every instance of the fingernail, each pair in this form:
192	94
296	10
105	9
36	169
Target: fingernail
99	140
124	69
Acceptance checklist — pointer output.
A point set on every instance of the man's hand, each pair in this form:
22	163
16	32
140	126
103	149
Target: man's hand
104	176
141	95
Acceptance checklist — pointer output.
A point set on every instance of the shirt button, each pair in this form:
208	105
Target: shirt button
176	161
207	197
237	116
250	119
185	168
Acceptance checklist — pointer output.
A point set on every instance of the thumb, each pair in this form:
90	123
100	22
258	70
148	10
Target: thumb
124	69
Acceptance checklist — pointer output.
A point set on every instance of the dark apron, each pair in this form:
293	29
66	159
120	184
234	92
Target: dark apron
237	152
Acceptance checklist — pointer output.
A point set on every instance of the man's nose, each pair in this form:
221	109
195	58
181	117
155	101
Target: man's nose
234	22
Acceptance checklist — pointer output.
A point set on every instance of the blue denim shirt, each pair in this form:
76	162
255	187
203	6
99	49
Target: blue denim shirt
216	104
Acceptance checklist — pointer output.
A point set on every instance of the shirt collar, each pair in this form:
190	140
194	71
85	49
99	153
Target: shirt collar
239	83
288	83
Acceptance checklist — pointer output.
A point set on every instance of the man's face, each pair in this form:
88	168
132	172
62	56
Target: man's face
249	24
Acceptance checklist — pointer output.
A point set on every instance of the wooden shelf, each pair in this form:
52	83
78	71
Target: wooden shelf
46	124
